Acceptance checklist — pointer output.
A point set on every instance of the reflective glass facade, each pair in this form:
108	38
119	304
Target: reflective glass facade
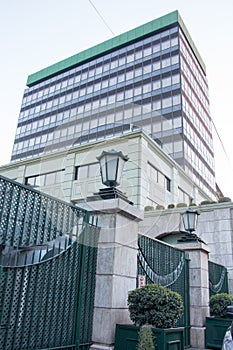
155	83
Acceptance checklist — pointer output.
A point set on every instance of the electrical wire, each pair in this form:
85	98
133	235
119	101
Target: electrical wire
99	14
221	142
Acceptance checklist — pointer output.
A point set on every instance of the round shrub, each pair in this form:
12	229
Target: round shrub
160	207
218	304
181	205
149	208
171	206
155	305
207	202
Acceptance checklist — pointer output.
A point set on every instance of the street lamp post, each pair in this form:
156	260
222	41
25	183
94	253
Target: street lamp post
190	223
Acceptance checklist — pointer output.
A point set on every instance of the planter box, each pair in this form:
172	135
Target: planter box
216	328
126	338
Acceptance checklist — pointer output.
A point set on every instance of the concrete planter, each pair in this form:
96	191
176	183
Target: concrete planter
216	328
165	339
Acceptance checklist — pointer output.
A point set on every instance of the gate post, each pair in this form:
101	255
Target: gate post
199	290
116	270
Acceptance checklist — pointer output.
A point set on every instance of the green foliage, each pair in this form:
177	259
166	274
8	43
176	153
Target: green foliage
181	205
171	206
207	202
148	208
224	199
155	305
160	207
218	304
146	341
192	205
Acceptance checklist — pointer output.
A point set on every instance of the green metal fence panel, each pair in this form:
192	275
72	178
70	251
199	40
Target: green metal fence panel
163	264
48	252
218	278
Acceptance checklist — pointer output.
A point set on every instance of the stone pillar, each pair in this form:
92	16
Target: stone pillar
116	267
199	290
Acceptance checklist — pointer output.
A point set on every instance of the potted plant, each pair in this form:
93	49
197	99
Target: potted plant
155	306
218	322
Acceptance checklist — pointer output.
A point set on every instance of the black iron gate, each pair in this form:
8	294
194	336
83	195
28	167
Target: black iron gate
218	278
48	252
163	264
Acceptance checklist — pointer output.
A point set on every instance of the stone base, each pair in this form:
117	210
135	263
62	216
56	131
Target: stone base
197	335
101	347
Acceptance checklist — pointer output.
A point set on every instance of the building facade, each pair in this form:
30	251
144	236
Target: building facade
150	177
151	78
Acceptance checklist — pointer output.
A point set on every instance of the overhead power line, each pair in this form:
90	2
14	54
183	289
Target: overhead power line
221	142
99	14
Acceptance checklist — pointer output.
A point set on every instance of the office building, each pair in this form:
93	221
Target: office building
150	78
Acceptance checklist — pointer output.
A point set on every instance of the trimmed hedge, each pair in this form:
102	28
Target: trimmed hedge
155	305
218	304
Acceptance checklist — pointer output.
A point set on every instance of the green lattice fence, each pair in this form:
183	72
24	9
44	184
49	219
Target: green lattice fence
48	252
162	264
218	278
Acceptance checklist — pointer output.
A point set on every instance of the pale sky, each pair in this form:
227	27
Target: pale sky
36	34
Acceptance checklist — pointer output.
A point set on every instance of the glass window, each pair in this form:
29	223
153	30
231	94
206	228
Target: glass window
166	62
165	45
129	75
175	79
138	72
62	100
122	61
64	84
156	65
147	51
166	82
157	127
174	41
175	59
147	69
82	172
168	147
98	70
157	105
156	48
104	84
137	90
167	124
138	55
130	58
176	100
50	179
120	96
167	184
113	81
82	92
156	84
177	122
120	78
167	102
147	88
128	93
178	146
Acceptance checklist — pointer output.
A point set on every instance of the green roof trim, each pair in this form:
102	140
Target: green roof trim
111	44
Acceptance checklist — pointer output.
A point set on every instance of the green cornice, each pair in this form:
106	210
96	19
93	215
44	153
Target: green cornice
112	44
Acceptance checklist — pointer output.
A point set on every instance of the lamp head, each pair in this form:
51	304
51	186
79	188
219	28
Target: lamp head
111	167
190	219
